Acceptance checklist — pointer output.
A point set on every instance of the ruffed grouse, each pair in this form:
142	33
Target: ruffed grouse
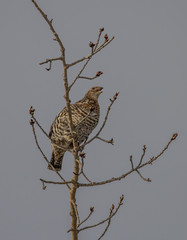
85	117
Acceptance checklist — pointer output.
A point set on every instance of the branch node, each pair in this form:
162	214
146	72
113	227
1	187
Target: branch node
32	122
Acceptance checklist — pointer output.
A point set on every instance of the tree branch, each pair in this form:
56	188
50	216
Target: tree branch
91	211
143	154
132	170
88	58
111	141
50	62
106	117
37	144
98	38
91	54
82	69
31	111
49	22
132	164
108	218
82	155
144	179
108	224
52	182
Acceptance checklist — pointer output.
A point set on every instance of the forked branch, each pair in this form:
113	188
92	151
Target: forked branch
104	122
133	169
38	146
111	215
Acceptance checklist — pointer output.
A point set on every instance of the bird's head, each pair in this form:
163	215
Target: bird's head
94	92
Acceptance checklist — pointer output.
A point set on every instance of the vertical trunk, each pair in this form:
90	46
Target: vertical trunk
75	154
73	199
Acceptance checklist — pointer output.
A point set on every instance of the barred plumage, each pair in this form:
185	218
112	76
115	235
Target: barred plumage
85	117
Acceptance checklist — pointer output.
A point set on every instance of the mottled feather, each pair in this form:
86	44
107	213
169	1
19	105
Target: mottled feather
85	117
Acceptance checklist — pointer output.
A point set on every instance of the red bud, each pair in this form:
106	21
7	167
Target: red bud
31	122
99	73
31	110
175	135
91	44
106	38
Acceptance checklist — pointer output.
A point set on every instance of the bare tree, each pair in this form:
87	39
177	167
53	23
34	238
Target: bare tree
77	151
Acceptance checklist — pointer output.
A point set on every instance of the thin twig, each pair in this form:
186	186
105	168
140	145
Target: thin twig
98	38
105	220
82	155
132	170
175	135
111	141
108	224
82	69
104	45
91	211
37	144
49	22
50	60
143	178
43	186
52	182
88	59
132	164
143	154
88	78
106	117
92	54
36	121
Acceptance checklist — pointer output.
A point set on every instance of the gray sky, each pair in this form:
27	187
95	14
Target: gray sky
147	63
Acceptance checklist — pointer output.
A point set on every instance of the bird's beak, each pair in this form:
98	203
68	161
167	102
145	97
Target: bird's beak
100	90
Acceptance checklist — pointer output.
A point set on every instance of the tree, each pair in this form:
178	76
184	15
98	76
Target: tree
78	150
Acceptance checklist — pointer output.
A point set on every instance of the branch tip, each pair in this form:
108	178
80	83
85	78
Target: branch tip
31	111
91	209
175	135
101	29
99	73
121	198
91	44
106	38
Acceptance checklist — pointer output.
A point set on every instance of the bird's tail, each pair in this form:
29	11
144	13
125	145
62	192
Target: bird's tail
56	160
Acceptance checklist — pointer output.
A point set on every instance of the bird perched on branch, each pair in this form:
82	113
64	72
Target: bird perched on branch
85	117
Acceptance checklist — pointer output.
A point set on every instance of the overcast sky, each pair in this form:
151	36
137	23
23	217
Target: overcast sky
147	63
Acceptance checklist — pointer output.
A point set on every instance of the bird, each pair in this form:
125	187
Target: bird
85	117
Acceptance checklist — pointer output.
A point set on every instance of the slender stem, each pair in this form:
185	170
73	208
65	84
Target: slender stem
82	69
91	211
40	126
105	220
106	117
36	141
49	22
